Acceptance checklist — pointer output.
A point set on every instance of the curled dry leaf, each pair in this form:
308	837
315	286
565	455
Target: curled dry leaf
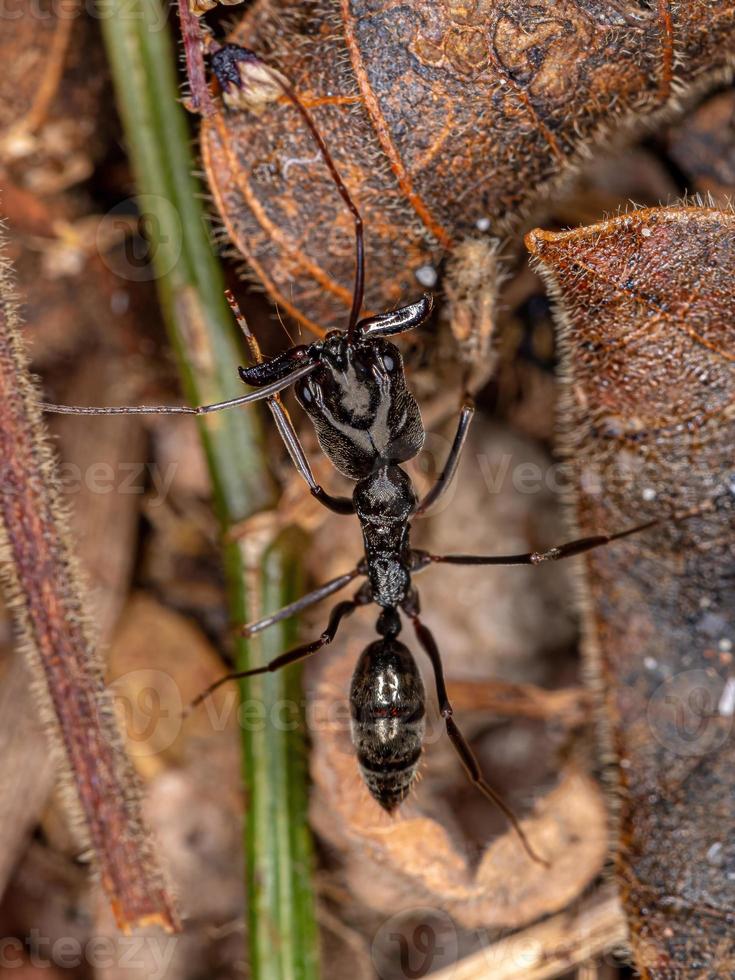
443	118
414	858
647	312
576	937
158	663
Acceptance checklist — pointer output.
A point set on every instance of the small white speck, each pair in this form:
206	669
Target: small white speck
650	663
427	276
646	232
648	493
482	224
120	302
714	853
725	644
726	705
705	602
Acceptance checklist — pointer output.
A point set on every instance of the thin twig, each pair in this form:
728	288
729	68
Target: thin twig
44	592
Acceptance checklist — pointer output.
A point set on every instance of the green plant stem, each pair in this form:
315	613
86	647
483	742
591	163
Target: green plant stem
190	287
276	763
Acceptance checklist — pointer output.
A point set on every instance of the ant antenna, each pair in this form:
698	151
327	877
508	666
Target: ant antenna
250	338
225	64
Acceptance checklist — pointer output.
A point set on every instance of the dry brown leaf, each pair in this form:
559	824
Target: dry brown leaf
416	860
159	661
445	119
157	664
29	772
547	950
648	308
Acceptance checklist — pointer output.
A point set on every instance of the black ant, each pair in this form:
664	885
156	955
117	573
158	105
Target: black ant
352	385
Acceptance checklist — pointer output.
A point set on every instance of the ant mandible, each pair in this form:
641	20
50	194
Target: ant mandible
352	385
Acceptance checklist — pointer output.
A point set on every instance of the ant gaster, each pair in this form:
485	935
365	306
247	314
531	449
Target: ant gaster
353	387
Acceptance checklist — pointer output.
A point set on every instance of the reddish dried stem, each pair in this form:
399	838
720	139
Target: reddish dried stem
193	37
66	671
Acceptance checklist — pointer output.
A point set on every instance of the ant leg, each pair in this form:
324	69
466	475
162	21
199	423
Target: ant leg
286	430
459	743
252	396
340	611
450	467
339	505
577	547
310	599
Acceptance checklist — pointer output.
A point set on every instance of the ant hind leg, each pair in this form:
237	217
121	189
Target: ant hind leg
459	742
340	611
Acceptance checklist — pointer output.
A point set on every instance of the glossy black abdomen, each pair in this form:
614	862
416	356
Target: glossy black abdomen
387	704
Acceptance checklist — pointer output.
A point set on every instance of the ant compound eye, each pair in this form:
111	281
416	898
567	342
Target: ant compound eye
306	394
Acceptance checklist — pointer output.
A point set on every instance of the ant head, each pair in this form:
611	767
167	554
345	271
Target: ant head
356	390
362	410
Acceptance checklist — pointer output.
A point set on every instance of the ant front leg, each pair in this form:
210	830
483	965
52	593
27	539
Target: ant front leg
459	742
340	611
450	467
286	430
252	396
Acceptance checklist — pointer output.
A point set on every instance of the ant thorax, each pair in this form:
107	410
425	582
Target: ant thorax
361	408
384	502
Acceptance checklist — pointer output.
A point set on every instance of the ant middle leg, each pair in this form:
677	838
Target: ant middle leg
566	550
340	611
310	599
459	742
